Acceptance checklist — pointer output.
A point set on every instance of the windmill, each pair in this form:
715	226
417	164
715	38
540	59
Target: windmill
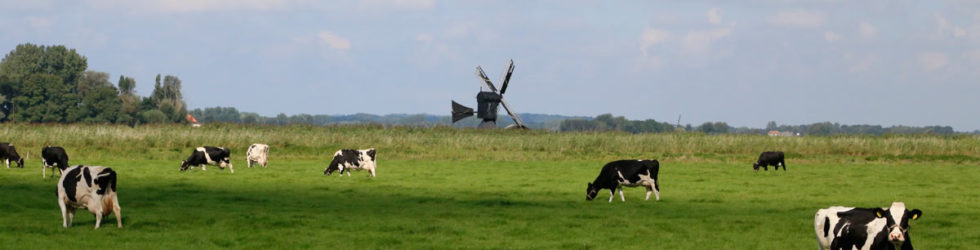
487	101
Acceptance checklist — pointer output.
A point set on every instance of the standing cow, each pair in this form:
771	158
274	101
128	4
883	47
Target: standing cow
257	153
770	158
8	153
865	228
208	155
347	159
630	173
93	188
53	156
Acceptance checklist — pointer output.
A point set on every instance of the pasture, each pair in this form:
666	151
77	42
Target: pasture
451	188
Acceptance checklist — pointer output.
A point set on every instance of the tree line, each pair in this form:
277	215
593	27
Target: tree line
607	122
52	84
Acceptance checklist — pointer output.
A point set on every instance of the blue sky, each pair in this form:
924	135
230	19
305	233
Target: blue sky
742	62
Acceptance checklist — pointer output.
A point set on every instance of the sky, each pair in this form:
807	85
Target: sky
741	62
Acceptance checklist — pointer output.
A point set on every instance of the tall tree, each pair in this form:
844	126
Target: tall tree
41	80
100	102
168	99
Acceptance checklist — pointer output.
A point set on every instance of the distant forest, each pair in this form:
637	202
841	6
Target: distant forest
52	84
600	123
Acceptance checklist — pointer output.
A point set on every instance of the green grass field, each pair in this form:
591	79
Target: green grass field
448	188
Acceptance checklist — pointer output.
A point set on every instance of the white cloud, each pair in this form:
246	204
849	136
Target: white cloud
933	60
39	23
193	5
867	30
860	63
190	6
831	36
334	41
401	4
713	16
798	19
652	37
944	28
700	41
425	38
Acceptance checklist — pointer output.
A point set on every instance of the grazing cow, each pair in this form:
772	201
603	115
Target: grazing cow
53	156
865	228
347	159
208	155
630	173
93	188
257	153
9	153
770	158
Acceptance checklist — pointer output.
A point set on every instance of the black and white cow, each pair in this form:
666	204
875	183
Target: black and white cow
865	228
208	155
770	158
53	156
9	153
348	159
630	173
93	188
257	153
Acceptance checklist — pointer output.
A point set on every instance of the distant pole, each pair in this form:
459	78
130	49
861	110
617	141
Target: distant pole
679	120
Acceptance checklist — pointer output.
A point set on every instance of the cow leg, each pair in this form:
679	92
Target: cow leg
649	190
204	167
64	213
44	170
6	162
612	194
621	196
98	218
656	189
115	210
372	172
249	161
348	172
232	168
784	165
71	215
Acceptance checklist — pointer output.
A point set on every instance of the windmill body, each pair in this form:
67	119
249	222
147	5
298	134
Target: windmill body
488	101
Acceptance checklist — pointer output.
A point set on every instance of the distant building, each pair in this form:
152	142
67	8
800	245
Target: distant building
783	133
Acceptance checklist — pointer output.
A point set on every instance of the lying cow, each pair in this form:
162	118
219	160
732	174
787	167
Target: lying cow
865	228
257	153
348	159
53	156
93	188
208	155
770	158
630	173
9	153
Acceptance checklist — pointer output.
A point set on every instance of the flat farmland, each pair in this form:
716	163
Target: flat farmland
461	188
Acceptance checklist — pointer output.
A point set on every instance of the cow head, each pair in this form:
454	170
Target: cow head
184	165
897	224
14	157
223	163
755	166
591	192
334	165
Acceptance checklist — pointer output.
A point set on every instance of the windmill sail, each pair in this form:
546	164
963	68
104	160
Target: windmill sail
460	112
513	115
486	81
506	77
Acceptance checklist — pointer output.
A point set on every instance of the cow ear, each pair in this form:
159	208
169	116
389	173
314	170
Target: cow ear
915	214
879	212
